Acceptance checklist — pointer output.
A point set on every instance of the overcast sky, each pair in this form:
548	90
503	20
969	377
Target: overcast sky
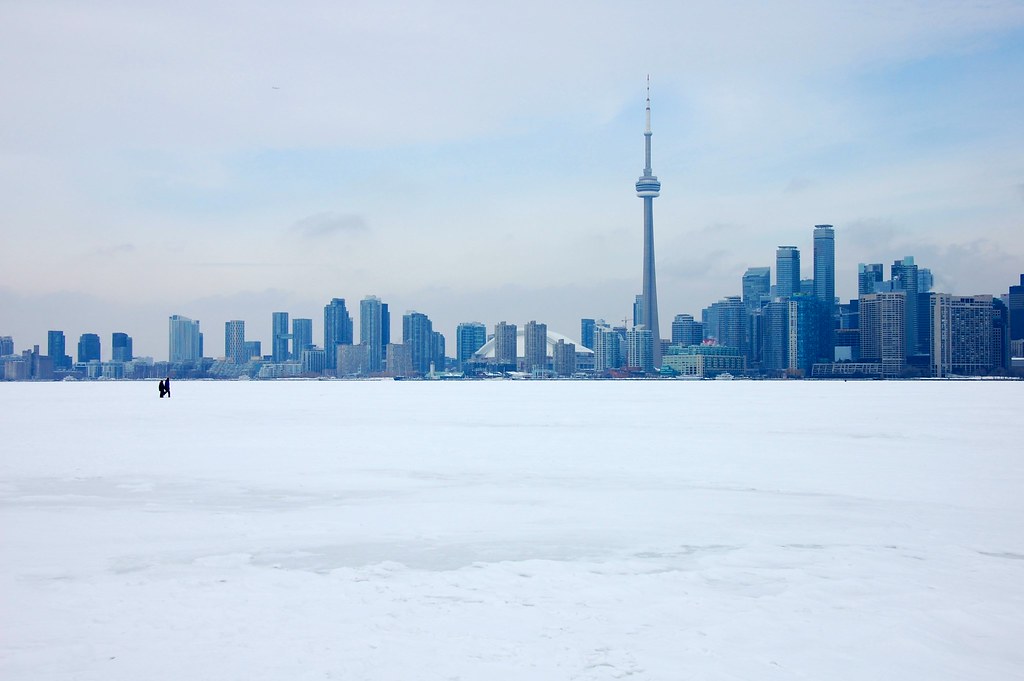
476	162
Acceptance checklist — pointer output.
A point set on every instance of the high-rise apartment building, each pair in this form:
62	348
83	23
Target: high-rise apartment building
505	345
805	335
757	286
279	337
648	188
302	337
825	264
882	331
234	341
6	346
1015	303
185	342
868	276
587	333
375	331
787	271
961	335
640	349
437	351
469	337
774	337
607	348
563	358
89	348
535	347
121	347
418	336
338	331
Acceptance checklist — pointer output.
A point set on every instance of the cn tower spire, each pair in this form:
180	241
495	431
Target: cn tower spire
648	188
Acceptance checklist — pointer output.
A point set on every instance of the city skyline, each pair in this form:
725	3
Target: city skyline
144	181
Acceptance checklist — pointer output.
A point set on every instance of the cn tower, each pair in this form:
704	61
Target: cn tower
648	187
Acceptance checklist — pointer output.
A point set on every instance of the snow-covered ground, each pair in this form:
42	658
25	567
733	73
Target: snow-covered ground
512	530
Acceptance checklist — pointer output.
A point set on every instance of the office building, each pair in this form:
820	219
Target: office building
868	277
757	286
279	337
787	271
6	346
89	348
56	349
469	337
234	342
375	331
904	278
686	331
704	361
121	347
337	330
648	188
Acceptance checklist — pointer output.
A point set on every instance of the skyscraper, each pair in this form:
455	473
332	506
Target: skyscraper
279	337
640	349
787	271
121	347
757	285
505	350
302	337
338	330
868	276
587	333
418	336
882	331
686	331
469	337
904	278
56	348
648	188
89	348
234	341
185	342
374	331
825	264
535	347
1015	301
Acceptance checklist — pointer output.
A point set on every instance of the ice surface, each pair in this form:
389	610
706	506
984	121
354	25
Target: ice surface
512	530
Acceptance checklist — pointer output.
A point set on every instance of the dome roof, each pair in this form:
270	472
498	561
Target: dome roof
487	351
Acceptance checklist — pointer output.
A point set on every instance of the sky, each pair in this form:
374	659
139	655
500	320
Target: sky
476	163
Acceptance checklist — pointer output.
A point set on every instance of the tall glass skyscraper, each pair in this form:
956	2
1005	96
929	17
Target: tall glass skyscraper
302	337
825	264
868	276
337	330
89	347
757	285
185	342
56	348
374	331
121	347
418	336
787	271
469	337
279	337
648	188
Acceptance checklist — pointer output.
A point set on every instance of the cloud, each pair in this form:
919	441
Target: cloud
321	225
115	250
798	184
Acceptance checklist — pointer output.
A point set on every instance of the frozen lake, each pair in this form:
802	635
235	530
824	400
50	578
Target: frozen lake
512	530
